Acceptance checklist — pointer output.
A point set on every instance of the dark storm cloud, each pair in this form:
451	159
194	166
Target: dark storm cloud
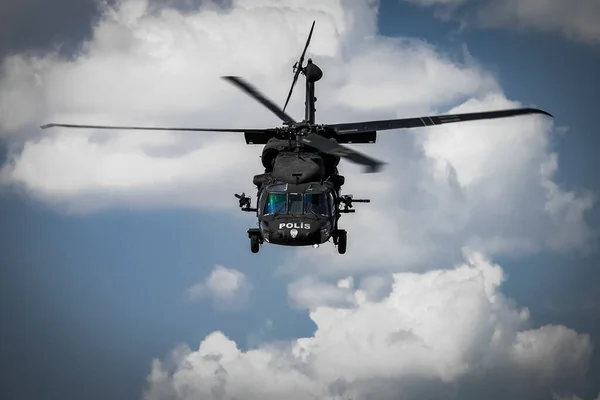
576	19
38	25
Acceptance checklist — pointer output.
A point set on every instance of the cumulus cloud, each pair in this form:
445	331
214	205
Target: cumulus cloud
310	292
260	336
162	68
575	19
486	186
227	288
154	68
439	334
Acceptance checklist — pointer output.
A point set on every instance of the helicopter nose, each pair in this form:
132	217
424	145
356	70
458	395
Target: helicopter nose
296	229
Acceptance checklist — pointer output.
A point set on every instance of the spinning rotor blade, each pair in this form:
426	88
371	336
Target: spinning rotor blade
299	66
148	128
369	126
250	90
330	147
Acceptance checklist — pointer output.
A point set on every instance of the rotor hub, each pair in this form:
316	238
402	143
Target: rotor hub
312	72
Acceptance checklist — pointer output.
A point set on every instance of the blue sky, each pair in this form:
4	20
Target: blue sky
89	299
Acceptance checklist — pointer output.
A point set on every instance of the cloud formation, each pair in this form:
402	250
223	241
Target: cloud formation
162	68
156	68
488	185
227	288
485	186
309	292
441	334
575	19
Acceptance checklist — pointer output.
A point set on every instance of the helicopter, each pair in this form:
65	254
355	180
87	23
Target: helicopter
299	200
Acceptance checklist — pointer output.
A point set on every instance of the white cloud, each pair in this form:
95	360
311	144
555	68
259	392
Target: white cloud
228	288
575	19
487	186
477	184
376	287
447	330
159	69
443	187
309	292
162	68
260	336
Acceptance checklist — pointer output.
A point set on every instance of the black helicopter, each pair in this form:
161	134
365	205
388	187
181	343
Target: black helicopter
299	200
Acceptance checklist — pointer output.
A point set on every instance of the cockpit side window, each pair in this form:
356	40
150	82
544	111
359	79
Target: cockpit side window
276	203
316	203
331	202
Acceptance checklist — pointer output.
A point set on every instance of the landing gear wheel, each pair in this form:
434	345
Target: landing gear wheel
254	244
342	241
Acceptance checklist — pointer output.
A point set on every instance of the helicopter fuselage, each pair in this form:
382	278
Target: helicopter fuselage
296	214
298	199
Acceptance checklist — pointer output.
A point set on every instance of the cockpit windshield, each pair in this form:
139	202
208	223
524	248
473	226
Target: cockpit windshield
276	203
297	203
315	203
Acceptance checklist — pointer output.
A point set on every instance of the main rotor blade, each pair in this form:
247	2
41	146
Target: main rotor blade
300	61
252	91
330	147
369	126
150	128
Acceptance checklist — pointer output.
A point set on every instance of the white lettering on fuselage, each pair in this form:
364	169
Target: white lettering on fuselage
296	225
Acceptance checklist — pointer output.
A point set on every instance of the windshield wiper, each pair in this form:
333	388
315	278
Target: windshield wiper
314	213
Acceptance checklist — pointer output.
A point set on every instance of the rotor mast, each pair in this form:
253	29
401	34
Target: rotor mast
312	73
